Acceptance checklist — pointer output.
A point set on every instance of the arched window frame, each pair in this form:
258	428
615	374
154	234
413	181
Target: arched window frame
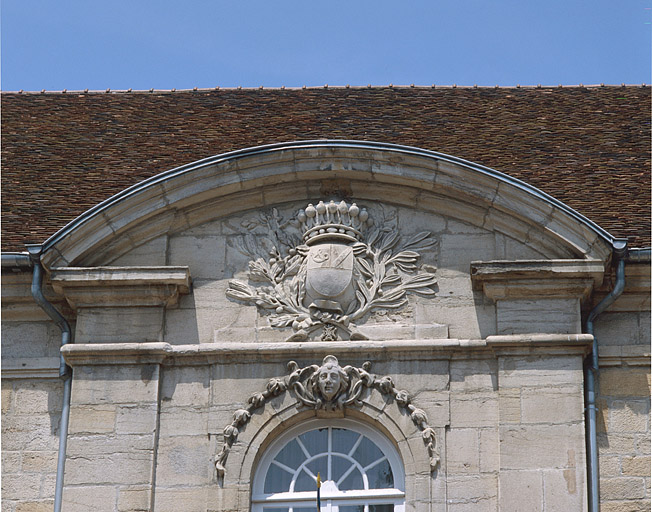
330	503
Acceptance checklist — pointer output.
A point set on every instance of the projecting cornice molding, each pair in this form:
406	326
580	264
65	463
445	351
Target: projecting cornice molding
261	177
85	287
83	354
537	279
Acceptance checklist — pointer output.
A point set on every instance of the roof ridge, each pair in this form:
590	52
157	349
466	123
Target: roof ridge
326	86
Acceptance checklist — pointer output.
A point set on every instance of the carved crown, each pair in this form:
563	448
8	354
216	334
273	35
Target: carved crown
333	221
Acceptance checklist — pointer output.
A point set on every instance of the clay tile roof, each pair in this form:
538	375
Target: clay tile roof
62	153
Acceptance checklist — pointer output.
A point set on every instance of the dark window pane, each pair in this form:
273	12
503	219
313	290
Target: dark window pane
352	481
267	509
367	453
339	466
343	440
381	508
380	476
319	465
352	508
307	509
277	480
315	441
291	455
305	482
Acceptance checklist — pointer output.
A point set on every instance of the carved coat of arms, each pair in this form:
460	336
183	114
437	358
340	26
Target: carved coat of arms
341	269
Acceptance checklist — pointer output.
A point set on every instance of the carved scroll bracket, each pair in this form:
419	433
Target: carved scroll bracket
328	387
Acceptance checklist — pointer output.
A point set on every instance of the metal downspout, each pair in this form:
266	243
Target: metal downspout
65	372
591	373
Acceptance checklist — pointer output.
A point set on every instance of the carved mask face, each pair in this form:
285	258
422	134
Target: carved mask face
329	381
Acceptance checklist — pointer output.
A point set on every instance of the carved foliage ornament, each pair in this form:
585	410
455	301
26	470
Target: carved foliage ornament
328	387
341	268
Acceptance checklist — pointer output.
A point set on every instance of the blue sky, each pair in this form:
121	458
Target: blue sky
140	44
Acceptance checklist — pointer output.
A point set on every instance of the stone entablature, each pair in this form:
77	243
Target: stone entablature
537	279
78	354
116	304
93	287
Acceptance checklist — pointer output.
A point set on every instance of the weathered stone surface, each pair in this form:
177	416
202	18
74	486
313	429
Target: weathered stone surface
610	466
625	382
472	490
116	468
521	491
473	410
25	486
489	450
186	386
629	416
153	252
184	460
35	506
516	372
625	506
204	255
509	405
541	446
623	488
462	451
635	466
119	325
538	316
134	499
115	384
38	462
30	432
552	405
11	462
564	490
188	499
89	498
616	443
106	445
459	250
135	419
476	375
92	419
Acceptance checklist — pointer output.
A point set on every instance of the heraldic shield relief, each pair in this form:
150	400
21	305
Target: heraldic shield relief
339	269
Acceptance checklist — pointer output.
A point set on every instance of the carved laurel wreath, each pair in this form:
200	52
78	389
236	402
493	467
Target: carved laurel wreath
303	383
382	274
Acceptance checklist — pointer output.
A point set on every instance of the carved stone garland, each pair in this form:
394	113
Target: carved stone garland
328	387
341	268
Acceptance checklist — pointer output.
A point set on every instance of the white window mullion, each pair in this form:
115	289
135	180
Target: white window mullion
303	448
330	451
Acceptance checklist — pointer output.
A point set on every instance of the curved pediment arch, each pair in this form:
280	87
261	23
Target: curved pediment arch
265	176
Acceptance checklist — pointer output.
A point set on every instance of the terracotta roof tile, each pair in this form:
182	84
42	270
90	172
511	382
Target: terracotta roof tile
62	153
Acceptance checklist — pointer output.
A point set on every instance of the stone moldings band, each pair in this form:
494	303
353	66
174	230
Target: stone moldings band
329	386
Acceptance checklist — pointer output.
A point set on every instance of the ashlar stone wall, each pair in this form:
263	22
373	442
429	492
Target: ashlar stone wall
624	396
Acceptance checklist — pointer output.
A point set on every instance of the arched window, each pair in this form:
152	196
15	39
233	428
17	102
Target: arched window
359	468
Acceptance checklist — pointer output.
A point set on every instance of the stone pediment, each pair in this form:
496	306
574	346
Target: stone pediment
186	197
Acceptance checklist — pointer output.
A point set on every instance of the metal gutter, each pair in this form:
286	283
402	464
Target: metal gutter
591	374
65	372
643	255
17	260
320	144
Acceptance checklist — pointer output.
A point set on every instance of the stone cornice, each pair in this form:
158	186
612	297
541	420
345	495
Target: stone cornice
624	355
121	286
537	279
208	353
